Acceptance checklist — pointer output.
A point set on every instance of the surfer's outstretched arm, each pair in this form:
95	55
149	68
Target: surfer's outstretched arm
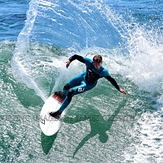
114	83
75	56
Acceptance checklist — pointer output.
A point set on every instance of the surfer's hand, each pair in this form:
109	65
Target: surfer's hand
67	63
122	91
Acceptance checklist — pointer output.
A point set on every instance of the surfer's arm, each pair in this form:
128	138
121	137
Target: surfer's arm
78	57
72	58
114	83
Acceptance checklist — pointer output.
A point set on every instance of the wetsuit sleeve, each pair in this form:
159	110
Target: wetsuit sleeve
113	82
78	57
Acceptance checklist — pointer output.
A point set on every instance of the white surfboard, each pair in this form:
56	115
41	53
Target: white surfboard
48	124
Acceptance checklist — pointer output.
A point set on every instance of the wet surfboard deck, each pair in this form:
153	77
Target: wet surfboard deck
49	125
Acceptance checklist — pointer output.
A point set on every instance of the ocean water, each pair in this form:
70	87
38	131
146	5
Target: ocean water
102	125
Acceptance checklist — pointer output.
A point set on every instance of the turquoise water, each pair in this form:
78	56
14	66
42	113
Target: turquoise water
102	125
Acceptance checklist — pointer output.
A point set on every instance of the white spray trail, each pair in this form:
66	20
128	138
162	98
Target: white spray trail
22	47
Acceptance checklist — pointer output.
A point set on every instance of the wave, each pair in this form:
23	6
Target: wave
132	52
71	27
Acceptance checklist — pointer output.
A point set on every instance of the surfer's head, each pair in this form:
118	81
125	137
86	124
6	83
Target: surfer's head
97	61
103	137
97	58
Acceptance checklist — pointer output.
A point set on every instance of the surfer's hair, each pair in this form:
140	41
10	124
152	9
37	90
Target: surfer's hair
97	58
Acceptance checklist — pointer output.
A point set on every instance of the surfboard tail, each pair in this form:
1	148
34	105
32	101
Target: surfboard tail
58	98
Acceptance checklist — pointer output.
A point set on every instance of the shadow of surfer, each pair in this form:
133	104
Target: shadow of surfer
98	125
47	142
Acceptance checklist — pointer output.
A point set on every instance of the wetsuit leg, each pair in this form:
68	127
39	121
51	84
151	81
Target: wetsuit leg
73	82
76	90
66	89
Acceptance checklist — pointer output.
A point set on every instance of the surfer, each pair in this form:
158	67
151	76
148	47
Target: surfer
84	81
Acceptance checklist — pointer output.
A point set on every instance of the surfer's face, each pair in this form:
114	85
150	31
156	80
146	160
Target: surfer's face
97	64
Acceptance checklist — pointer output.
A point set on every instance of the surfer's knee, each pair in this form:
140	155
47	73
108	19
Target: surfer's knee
66	87
70	94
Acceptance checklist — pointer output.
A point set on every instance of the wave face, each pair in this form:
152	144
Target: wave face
101	125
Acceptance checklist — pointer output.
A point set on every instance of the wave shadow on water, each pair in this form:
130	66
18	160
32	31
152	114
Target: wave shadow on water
95	123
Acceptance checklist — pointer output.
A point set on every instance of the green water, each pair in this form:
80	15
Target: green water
101	125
